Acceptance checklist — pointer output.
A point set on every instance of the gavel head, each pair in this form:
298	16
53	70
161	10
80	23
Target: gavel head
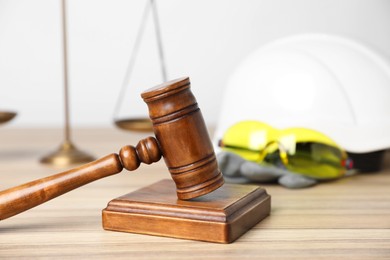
183	138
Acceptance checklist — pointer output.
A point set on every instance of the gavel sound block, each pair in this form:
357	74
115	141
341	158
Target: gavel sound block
199	210
221	216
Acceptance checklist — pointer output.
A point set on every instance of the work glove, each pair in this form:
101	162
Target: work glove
238	170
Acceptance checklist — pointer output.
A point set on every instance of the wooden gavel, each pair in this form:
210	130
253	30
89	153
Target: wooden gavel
181	138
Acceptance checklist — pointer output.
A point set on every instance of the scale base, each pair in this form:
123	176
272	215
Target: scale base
221	216
67	154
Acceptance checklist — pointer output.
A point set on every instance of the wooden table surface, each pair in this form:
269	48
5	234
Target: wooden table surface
348	218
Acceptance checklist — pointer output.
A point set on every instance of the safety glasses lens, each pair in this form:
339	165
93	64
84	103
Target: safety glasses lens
316	160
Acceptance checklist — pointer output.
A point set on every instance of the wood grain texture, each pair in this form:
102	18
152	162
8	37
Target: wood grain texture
221	216
344	219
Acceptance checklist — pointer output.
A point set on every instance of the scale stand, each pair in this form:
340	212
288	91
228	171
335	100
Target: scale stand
67	154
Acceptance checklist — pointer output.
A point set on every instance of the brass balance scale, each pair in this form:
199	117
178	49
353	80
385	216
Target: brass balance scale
68	153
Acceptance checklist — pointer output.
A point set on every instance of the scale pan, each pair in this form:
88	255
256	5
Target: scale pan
6	116
135	124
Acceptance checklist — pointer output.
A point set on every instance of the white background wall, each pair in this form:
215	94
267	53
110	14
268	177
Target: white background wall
203	39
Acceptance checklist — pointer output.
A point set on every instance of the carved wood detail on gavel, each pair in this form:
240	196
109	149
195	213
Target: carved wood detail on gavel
181	138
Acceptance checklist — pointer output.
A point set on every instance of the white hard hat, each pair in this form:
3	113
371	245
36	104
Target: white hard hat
327	83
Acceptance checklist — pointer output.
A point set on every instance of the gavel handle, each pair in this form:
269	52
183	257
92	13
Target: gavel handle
26	196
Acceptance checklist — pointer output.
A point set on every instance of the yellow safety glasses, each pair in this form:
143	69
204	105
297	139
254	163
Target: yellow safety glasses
299	150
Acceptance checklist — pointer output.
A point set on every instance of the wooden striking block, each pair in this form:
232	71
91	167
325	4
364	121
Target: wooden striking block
221	216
